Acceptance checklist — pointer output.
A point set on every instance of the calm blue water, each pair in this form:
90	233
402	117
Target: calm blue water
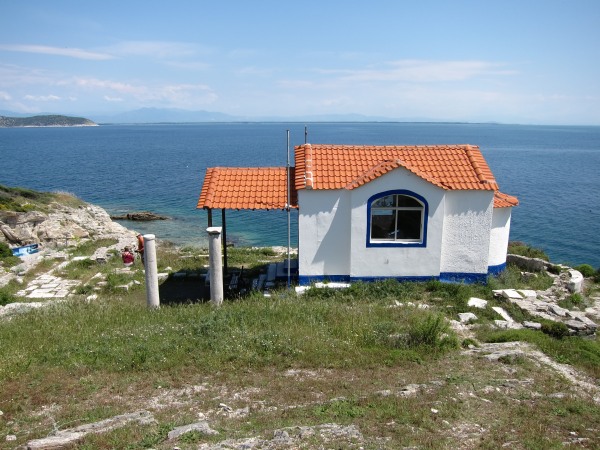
552	169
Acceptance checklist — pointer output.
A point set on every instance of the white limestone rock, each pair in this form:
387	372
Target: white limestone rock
532	325
505	324
528	293
575	284
64	225
561	312
502	313
201	427
511	294
475	302
466	317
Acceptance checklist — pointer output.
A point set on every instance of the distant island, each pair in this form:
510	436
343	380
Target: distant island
45	121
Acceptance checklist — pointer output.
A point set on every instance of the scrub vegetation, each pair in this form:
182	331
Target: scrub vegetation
23	200
378	356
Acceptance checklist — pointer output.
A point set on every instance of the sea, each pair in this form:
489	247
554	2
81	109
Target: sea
553	170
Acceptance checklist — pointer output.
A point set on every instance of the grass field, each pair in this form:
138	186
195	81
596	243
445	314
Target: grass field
398	374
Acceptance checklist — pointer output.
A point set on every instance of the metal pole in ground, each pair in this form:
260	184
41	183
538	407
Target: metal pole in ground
152	297
215	265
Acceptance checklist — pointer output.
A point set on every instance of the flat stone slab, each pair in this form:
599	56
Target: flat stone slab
475	302
41	293
511	325
532	325
576	325
511	293
71	436
561	312
201	427
527	293
502	313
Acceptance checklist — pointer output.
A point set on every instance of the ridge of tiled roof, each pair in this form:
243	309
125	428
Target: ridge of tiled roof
383	168
247	188
451	167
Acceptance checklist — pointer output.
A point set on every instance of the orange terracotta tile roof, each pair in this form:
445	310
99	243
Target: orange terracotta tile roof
504	200
451	167
246	188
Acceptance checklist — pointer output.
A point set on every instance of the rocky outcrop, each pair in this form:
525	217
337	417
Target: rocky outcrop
144	216
61	225
530	264
541	304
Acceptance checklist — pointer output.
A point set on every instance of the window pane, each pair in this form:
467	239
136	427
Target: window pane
409	225
383	222
384	202
405	201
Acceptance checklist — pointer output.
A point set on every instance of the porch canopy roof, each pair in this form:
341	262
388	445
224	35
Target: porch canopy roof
247	188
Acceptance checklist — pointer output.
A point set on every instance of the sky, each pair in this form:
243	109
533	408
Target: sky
509	61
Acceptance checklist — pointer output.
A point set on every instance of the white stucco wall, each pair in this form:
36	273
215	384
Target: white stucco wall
323	233
466	236
397	261
499	236
333	232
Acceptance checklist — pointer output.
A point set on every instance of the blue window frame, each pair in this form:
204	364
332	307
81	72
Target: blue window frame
397	218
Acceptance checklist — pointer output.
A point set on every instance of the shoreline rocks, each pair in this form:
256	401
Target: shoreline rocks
144	216
61	225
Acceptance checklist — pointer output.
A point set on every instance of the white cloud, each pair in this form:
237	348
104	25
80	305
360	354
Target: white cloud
42	98
424	71
116	86
255	71
113	99
188	65
157	49
297	84
5	96
175	95
13	75
186	95
59	51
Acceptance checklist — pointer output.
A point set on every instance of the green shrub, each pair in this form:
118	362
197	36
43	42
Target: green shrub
5	250
520	248
572	301
84	289
466	343
557	330
430	330
6	297
586	270
6	256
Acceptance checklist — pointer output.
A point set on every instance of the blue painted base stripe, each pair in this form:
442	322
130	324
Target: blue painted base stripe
307	280
459	277
449	277
495	270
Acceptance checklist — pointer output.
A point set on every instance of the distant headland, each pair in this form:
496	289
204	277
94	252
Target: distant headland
45	121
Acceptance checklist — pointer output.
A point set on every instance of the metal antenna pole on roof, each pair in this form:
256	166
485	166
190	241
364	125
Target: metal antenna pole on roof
288	201
305	134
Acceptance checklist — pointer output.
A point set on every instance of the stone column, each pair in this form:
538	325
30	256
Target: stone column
152	297
215	265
